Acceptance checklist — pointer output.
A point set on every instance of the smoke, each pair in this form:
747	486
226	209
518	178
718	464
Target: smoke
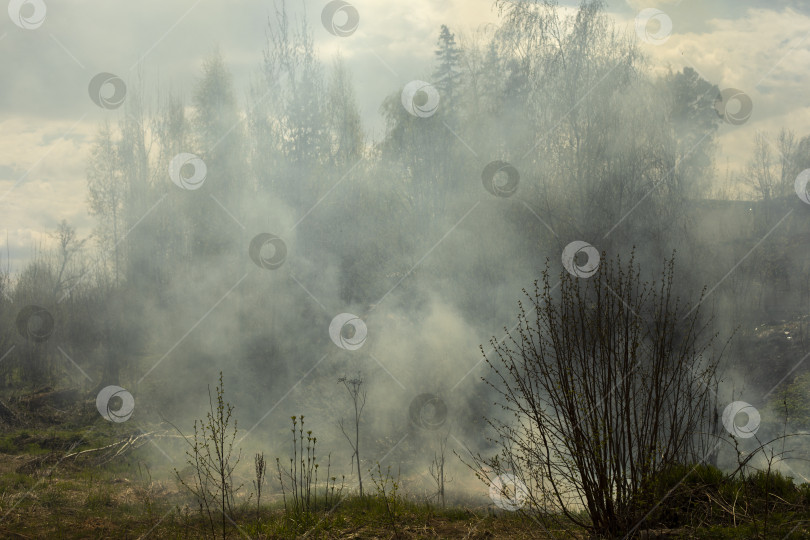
278	240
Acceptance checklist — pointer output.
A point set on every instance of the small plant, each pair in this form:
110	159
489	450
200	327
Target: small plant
212	461
436	470
330	496
259	467
358	395
299	484
387	490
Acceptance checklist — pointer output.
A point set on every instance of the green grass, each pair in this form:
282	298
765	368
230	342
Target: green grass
77	499
41	442
14	481
97	502
77	503
789	530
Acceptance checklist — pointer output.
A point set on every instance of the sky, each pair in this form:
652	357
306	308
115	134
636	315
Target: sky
48	121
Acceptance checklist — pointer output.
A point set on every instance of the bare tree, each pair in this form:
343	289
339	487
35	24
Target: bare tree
772	167
436	470
68	246
106	193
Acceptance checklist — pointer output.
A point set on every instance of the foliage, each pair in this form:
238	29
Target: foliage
792	403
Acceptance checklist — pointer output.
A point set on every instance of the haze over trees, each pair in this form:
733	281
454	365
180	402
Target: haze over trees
410	234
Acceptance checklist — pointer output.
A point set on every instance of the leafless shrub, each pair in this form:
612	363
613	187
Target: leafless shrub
604	385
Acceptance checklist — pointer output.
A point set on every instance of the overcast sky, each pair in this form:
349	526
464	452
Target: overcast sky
47	120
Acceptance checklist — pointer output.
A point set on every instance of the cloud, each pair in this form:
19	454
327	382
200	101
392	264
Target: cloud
773	69
41	181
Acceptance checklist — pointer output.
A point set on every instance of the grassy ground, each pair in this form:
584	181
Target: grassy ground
43	498
44	494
